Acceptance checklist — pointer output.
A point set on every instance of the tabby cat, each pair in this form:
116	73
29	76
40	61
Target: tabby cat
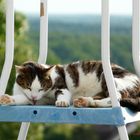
81	83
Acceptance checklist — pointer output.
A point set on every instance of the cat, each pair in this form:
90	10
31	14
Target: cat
81	83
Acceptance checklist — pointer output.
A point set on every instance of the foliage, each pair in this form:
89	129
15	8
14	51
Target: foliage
2	23
69	132
136	134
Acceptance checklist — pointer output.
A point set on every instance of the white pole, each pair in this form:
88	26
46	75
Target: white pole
136	35
9	50
123	132
43	50
43	32
23	131
105	51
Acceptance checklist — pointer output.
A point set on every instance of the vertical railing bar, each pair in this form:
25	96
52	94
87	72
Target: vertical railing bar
23	131
136	35
9	50
105	52
43	51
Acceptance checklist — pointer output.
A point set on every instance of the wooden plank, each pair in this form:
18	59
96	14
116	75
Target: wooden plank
51	114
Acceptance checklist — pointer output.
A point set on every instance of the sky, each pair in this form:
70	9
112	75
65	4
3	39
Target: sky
117	7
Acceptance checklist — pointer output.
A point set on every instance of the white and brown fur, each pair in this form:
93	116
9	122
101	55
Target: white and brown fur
81	83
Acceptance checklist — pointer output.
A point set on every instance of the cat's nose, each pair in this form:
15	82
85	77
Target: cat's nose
34	97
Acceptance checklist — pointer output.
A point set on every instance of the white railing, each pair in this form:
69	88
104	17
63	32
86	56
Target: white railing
43	51
9	50
9	53
105	53
136	35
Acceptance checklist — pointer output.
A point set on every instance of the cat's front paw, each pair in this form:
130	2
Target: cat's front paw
82	102
6	100
60	103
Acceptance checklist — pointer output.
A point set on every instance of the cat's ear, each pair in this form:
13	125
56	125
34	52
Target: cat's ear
18	68
48	69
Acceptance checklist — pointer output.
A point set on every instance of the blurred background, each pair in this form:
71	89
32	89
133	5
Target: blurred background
74	34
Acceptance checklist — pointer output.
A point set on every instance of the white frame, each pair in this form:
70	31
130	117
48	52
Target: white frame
9	53
105	53
136	35
43	52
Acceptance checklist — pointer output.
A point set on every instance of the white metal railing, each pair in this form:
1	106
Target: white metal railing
9	53
105	53
136	35
9	50
43	51
23	131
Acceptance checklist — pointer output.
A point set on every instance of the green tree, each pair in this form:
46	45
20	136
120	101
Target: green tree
69	132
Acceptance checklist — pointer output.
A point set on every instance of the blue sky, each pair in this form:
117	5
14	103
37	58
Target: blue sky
119	7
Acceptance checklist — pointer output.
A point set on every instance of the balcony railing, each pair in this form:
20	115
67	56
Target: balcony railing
112	116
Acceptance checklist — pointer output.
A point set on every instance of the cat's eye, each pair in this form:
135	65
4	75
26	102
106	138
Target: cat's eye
40	89
29	88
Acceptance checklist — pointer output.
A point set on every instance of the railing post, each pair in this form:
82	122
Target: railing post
105	52
9	49
43	51
136	35
23	131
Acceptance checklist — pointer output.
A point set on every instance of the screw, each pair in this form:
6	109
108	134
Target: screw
35	112
74	113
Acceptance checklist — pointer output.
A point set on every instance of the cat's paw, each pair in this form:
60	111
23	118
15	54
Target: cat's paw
82	102
60	103
6	100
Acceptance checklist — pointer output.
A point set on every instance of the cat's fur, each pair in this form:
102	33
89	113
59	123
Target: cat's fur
81	83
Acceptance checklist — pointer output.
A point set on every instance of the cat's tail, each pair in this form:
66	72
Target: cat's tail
131	103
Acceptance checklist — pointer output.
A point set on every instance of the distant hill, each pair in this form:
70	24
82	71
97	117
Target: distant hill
77	37
82	24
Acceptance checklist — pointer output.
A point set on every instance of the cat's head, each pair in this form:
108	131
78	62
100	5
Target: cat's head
34	79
